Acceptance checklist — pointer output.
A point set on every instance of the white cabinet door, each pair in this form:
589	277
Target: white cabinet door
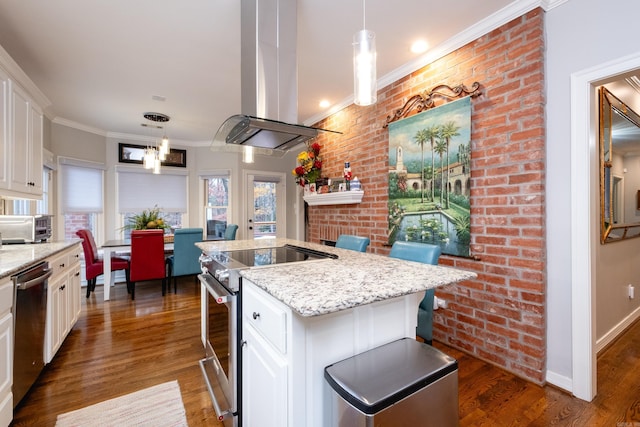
74	294
5	154
26	140
36	138
264	383
20	141
56	318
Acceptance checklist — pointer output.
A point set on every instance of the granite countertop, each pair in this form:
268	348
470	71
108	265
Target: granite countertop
14	258
324	286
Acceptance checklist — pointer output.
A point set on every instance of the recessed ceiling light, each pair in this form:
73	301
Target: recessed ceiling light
159	98
324	103
419	46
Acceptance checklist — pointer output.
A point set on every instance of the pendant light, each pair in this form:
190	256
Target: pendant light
364	65
154	156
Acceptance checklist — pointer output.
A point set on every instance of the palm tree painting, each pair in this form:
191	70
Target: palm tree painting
430	177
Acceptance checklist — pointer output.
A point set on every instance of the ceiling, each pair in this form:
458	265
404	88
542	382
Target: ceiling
101	63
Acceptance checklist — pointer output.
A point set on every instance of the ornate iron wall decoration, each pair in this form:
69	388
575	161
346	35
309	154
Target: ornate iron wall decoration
425	100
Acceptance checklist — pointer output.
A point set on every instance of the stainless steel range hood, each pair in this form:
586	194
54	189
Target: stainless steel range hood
264	133
269	86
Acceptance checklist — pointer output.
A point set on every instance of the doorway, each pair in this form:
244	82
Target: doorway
585	228
265	213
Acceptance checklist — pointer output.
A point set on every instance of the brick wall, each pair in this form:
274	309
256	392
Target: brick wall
500	317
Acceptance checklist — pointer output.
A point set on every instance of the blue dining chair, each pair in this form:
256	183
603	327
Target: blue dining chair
184	261
427	254
230	232
355	243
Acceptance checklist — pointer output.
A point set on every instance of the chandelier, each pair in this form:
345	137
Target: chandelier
155	155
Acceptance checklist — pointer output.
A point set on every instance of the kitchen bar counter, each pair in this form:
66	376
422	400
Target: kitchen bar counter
314	288
16	257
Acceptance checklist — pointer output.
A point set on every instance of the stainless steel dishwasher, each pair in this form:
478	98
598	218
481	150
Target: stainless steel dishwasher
30	318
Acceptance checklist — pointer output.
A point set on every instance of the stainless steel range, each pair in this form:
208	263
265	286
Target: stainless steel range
222	317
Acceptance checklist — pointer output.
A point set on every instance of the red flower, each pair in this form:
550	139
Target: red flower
300	171
317	164
315	147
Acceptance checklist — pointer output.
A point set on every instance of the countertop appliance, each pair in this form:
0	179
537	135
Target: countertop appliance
222	327
25	228
29	316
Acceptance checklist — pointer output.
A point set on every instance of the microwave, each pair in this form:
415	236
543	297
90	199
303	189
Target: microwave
25	228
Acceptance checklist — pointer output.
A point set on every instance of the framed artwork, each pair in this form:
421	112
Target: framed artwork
430	177
131	153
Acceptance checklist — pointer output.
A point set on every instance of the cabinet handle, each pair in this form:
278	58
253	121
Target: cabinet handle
77	274
243	343
62	287
61	265
256	315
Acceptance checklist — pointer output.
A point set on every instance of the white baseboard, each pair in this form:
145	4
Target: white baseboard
560	381
608	338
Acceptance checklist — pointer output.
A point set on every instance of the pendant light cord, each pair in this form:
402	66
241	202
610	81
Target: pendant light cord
364	15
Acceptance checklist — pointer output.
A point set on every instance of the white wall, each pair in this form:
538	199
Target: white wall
581	34
83	145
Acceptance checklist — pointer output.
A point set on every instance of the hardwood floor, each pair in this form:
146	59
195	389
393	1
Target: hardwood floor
123	346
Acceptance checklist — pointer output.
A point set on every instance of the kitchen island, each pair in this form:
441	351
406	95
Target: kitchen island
298	318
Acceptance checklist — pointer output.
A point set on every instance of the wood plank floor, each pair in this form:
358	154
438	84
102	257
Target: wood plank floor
122	346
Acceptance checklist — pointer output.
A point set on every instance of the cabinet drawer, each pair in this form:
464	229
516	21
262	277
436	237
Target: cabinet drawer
6	296
266	317
59	264
74	254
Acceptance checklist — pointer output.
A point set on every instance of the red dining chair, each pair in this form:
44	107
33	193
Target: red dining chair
94	265
147	258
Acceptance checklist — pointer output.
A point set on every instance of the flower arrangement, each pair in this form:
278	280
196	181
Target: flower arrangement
148	219
309	165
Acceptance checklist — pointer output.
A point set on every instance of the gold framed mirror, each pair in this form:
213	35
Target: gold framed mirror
619	169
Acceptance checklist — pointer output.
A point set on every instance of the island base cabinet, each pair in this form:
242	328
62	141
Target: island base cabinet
289	357
264	383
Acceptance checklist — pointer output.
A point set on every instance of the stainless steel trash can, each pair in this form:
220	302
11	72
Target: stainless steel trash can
403	383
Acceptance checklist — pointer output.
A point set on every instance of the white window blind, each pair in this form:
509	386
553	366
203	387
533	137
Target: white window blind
140	191
81	189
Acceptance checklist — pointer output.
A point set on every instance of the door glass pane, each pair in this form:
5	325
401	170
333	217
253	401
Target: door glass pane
264	209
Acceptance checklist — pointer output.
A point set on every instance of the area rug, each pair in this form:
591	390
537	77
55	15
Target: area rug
156	406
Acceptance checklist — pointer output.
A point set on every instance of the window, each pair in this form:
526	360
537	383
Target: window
81	193
216	209
138	191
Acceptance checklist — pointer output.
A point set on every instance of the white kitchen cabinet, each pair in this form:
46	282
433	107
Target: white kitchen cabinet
265	383
5	164
6	352
63	299
26	139
21	141
284	354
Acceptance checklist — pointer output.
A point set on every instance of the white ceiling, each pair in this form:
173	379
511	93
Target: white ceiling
100	62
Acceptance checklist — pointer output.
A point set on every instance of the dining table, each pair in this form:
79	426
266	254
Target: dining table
121	247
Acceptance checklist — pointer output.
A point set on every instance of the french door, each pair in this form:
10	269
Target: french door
266	202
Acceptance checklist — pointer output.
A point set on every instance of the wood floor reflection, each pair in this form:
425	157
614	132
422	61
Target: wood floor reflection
122	346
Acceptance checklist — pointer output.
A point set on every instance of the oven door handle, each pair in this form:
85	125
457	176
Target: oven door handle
219	292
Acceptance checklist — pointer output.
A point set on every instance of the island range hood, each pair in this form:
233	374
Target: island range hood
269	83
264	133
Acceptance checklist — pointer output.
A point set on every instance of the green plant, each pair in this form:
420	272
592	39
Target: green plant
148	219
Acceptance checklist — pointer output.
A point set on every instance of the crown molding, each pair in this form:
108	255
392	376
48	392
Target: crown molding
20	77
78	126
508	13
